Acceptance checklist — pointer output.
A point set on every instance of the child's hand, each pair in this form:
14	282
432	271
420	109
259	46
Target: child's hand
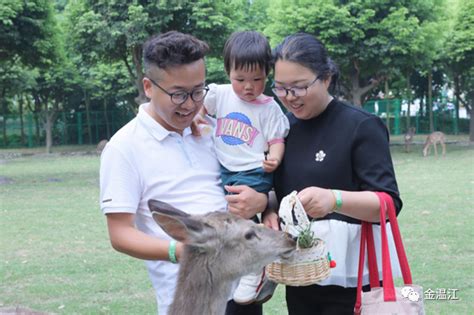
198	120
270	164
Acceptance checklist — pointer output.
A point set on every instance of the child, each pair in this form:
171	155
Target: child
249	124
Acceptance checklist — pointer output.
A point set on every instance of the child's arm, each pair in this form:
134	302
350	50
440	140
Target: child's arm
202	112
198	120
208	108
274	157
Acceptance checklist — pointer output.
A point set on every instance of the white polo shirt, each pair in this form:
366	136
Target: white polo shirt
145	161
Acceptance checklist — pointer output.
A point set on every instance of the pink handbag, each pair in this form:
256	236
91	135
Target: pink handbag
388	299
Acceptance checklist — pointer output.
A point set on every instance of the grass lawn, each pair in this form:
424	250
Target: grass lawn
55	255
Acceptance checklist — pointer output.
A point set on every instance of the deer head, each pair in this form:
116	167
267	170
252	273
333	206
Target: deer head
224	239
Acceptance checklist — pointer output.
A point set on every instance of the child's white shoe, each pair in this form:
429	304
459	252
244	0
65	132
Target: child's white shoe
249	287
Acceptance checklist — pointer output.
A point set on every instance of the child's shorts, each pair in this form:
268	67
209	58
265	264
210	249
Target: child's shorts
257	179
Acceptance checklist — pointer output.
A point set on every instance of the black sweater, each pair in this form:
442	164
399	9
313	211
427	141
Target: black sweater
343	148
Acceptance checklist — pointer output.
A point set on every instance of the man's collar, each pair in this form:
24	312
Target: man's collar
153	127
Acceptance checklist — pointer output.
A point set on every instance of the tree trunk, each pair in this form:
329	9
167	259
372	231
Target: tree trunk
387	105
357	92
421	112
22	124
49	118
35	118
48	128
456	101
37	112
137	62
471	127
37	129
470	107
429	104
408	102
107	124
356	99
88	115
468	103
4	112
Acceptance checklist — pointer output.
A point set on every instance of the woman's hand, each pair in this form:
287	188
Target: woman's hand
317	202
270	220
245	201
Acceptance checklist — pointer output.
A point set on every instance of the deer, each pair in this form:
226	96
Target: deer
433	139
101	146
219	248
409	138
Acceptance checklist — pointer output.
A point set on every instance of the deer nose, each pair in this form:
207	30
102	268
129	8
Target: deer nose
291	241
291	249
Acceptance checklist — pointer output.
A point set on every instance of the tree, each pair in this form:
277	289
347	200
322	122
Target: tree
28	37
25	31
109	81
460	59
50	96
15	78
115	31
254	15
368	39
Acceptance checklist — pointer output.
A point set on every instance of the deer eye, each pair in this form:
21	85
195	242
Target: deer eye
249	235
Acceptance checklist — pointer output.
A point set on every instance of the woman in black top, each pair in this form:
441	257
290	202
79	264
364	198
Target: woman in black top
336	156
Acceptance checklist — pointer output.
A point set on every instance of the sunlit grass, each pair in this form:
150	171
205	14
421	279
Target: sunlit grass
55	254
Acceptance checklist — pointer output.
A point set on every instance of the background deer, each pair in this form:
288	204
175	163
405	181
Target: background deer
433	139
219	248
101	145
409	138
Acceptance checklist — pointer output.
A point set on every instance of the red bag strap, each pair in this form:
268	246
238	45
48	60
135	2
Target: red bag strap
386	206
388	285
397	238
372	258
363	240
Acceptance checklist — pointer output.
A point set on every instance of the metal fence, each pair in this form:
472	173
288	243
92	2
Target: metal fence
77	128
394	114
68	129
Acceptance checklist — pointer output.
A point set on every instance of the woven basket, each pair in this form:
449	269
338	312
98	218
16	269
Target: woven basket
308	266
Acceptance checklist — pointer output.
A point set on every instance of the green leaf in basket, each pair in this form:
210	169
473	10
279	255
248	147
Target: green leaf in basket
306	237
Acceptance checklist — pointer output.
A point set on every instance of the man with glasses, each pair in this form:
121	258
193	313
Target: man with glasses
155	156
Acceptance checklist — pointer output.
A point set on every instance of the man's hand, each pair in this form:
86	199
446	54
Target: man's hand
179	251
245	201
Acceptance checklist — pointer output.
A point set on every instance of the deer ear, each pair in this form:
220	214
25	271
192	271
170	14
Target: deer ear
165	208
178	224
